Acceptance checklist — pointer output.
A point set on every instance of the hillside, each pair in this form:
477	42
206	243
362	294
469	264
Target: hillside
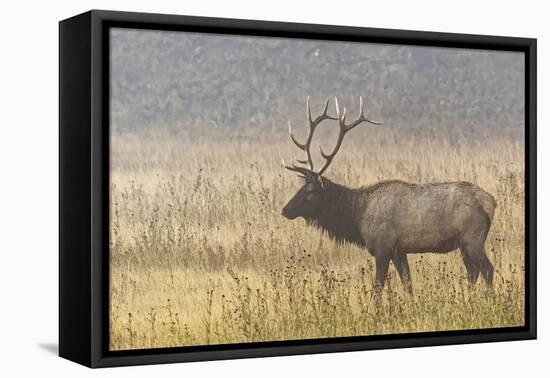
180	80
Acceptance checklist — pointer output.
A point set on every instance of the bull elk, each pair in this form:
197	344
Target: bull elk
393	218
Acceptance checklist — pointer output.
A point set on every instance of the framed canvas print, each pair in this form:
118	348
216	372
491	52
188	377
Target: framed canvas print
233	188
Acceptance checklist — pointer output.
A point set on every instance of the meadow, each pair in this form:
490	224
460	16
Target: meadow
200	254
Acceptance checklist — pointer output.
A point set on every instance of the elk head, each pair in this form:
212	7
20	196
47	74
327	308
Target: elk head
310	198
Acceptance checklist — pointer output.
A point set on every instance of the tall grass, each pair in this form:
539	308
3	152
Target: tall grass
200	254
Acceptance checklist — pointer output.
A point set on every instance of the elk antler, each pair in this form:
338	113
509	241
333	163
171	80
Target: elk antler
313	123
343	130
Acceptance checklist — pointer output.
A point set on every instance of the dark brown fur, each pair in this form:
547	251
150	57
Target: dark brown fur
394	218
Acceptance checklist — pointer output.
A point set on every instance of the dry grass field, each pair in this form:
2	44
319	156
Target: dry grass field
200	253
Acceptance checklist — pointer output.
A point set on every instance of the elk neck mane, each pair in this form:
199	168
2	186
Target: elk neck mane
341	215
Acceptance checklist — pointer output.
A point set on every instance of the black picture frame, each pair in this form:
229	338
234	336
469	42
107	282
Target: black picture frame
84	190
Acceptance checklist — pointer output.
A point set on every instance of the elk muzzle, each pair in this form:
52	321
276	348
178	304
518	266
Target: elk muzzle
288	213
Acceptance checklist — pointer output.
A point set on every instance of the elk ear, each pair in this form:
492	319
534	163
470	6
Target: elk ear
320	180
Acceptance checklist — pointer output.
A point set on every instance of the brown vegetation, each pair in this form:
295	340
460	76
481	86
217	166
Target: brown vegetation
201	255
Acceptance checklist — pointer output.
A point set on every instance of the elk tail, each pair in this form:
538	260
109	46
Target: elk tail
487	202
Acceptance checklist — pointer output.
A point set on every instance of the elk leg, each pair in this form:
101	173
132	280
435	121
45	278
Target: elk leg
382	263
486	268
482	264
471	268
402	265
473	246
